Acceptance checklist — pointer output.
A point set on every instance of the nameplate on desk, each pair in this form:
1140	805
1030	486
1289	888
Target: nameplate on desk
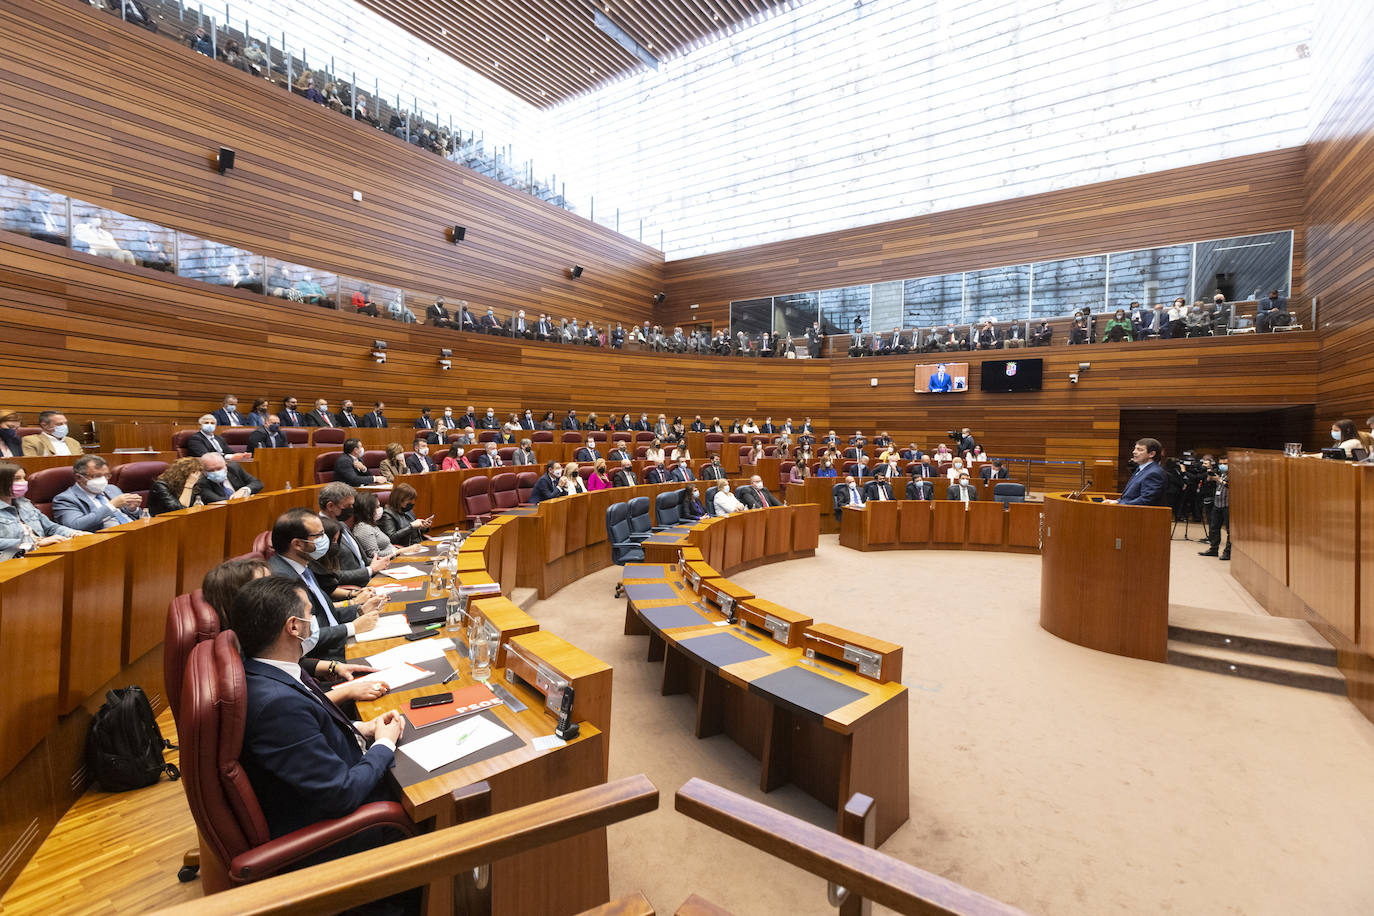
727	605
781	629
866	662
696	581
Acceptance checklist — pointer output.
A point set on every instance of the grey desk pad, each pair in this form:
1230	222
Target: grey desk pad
410	594
664	537
673	615
644	571
649	591
806	690
407	772
720	649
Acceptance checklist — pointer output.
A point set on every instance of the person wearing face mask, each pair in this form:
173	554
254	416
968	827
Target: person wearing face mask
798	473
725	501
367	527
547	486
175	488
22	527
350	469
1347	439
682	472
689	505
620	452
489	421
919	488
879	489
714	470
962	490
398	521
527	420
290	416
588	451
52	438
418	461
297	538
10	445
376	419
625	475
600	478
455	460
756	495
849	493
321	416
228	414
571	421
524	454
489	457
656	472
270	436
336	502
303	757
827	468
1219	518
205	440
223	480
347	418
93	503
572	482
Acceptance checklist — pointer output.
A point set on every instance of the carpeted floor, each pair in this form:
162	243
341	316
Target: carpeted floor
1055	778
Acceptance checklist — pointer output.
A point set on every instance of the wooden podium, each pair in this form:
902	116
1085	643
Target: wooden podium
1104	579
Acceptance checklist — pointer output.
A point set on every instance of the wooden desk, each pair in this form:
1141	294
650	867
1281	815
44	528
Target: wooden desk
31	612
1104	580
33	463
92	613
942	524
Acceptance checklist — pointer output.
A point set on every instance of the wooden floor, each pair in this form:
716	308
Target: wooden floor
112	853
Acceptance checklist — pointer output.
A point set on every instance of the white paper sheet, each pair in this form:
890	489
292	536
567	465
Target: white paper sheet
547	742
443	747
414	652
404	572
388	627
397	676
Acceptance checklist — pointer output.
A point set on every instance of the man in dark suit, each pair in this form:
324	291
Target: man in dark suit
489	457
349	467
814	338
491	324
465	320
697	425
375	419
642	425
289	415
587	453
923	469
621	452
423	421
223	480
488	420
546	487
888	469
321	416
850	494
438	316
520	327
912	453
544	329
713	471
571	421
756	495
229	415
269	436
1043	334
995	471
1148	486
966	442
418	461
527	420
624	475
681	473
1271	312
336	502
768	426
918	489
656	473
206	440
962	490
303	757
878	489
347	418
861	469
618	337
297	538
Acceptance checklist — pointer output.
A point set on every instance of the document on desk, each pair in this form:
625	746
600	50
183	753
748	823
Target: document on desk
453	743
389	626
403	572
397	676
414	652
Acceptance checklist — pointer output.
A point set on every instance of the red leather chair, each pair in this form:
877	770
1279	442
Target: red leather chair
525	481
542	435
505	491
262	546
714	442
223	804
23	431
744	451
179	441
785	471
643	436
324	466
328	435
373	458
236	437
190	621
736	437
507	452
487	435
585	472
296	436
640	452
137	476
477	499
45	484
570	436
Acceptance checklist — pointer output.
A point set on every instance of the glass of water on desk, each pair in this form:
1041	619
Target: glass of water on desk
483	648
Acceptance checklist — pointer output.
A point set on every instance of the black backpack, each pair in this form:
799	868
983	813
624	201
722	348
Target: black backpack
124	744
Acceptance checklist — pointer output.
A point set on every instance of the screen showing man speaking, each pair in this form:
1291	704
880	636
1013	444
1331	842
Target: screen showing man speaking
942	377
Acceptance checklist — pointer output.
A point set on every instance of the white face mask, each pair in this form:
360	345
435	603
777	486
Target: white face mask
97	484
321	546
310	641
207	428
1336	434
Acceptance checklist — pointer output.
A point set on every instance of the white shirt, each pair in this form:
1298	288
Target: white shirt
300	571
726	503
953	474
59	446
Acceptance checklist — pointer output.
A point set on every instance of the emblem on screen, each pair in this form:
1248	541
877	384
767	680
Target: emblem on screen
1011	369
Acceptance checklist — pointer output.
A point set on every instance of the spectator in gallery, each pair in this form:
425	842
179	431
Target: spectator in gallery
1119	328
1178	318
255	58
362	301
310	92
396	310
1271	312
201	42
309	290
98	240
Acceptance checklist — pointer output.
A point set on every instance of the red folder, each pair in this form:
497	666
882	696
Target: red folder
465	701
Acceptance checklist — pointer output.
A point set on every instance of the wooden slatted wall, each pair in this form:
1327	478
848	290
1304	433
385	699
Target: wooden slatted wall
110	114
1249	194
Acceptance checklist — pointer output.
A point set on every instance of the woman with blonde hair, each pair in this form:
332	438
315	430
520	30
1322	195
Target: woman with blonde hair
395	461
600	479
175	488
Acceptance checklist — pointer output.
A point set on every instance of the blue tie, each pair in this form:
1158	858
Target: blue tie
320	596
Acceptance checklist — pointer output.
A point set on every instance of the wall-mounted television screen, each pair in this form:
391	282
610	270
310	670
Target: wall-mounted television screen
1013	374
942	377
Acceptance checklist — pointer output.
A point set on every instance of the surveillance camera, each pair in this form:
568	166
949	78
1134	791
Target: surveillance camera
379	356
1073	378
1084	367
379	344
445	365
445	353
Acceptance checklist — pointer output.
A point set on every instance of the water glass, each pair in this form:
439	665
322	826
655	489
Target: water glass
484	654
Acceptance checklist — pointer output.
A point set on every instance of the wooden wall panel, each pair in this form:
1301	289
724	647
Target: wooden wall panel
113	115
1249	194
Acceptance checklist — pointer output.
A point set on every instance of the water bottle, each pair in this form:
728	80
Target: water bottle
287	486
453	616
436	580
145	514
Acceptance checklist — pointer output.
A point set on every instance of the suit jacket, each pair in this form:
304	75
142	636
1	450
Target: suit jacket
713	472
346	472
291	417
39	444
953	492
436	313
423	423
491	324
398	528
201	444
261	438
923	470
373	421
545	488
527	422
75	508
586	455
465	321
302	755
756	498
486	422
225	418
419	464
522	456
624	477
571	422
1147	487
920	489
485	461
655	474
680	475
992	472
318	418
619	454
876	486
332	636
346	419
211	492
843	497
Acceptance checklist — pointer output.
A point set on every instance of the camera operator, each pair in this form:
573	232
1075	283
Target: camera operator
1221	512
965	440
1206	488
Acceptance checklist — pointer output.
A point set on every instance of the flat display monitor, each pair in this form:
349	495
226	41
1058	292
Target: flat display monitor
1013	374
941	378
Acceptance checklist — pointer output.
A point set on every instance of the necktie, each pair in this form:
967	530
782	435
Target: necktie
214	446
328	421
320	597
313	688
228	488
352	546
854	495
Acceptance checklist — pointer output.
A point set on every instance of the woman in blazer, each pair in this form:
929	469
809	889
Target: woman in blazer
10	446
394	463
175	487
599	480
398	521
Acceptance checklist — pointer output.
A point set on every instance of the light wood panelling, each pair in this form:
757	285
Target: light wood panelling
1249	194
115	116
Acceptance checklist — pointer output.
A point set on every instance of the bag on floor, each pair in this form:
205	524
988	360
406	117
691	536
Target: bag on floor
124	744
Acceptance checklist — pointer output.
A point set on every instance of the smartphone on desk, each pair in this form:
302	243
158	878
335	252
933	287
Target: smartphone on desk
434	699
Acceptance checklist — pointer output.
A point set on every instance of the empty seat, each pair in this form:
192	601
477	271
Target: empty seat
624	549
570	436
179	439
236	437
505	491
709	501
477	500
525	481
190	621
641	519
666	508
1007	492
47	483
643	436
324	466
137	476
328	435
785	470
542	435
487	435
507	453
297	436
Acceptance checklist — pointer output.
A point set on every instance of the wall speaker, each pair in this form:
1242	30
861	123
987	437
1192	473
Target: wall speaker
576	271
225	159
459	233
658	298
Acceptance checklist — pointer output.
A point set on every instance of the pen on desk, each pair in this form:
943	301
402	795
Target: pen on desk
452	675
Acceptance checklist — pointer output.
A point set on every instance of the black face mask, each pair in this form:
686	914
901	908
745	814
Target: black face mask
346	514
348	410
405	509
274	428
